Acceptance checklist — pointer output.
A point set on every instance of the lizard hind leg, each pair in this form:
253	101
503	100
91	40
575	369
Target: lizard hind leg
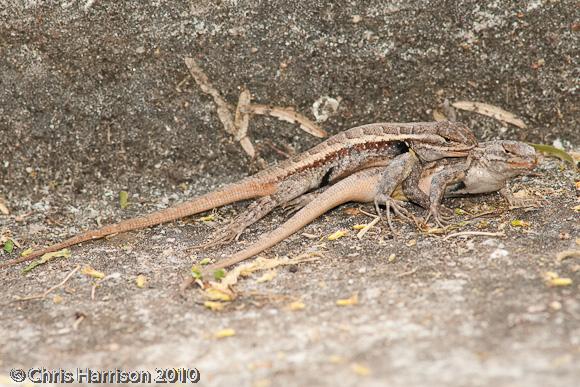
255	211
393	176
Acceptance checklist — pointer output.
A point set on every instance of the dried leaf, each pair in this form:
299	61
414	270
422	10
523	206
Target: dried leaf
224	110
411	243
91	272
568	254
242	119
288	115
224	333
267	276
360	369
553	279
26	252
352	211
490	111
208	218
359	226
367	227
336	235
576	208
141	281
65	253
438	116
123	199
214	305
260	263
353	300
218	294
3	208
391	258
519	223
297	305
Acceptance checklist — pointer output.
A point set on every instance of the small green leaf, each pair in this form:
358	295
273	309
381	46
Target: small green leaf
459	211
123	199
205	261
9	246
219	274
553	151
196	272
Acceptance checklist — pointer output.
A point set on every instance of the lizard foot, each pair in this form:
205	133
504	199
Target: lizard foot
298	203
441	215
396	207
221	236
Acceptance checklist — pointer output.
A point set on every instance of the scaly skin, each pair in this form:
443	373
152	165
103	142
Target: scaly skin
491	165
334	159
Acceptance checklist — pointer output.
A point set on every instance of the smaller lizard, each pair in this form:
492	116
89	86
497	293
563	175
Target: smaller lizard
337	157
491	164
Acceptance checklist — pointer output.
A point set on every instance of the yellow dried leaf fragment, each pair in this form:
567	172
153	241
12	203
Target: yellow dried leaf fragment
336	235
267	276
141	281
360	369
297	305
411	243
214	305
217	295
208	218
224	333
353	300
519	223
88	270
553	279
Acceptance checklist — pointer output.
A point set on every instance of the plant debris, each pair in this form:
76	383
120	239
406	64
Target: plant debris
554	152
490	111
337	235
287	114
123	199
91	272
64	253
224	333
352	300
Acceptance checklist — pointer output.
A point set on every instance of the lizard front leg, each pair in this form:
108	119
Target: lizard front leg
439	182
398	170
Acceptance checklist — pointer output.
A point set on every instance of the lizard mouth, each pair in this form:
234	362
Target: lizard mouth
523	164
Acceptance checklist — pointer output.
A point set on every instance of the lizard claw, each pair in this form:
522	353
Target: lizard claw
220	237
441	219
396	207
298	203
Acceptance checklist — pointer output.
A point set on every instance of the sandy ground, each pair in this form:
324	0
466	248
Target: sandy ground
95	98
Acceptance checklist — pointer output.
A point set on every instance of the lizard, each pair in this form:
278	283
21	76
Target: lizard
485	170
337	157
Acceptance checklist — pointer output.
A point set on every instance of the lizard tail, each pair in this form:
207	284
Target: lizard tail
229	194
360	187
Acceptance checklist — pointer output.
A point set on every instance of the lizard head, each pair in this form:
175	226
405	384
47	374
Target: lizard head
451	139
493	163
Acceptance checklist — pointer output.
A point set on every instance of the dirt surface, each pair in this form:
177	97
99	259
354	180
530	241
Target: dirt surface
95	98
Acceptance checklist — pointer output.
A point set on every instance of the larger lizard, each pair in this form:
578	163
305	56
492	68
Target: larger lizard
487	169
337	157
